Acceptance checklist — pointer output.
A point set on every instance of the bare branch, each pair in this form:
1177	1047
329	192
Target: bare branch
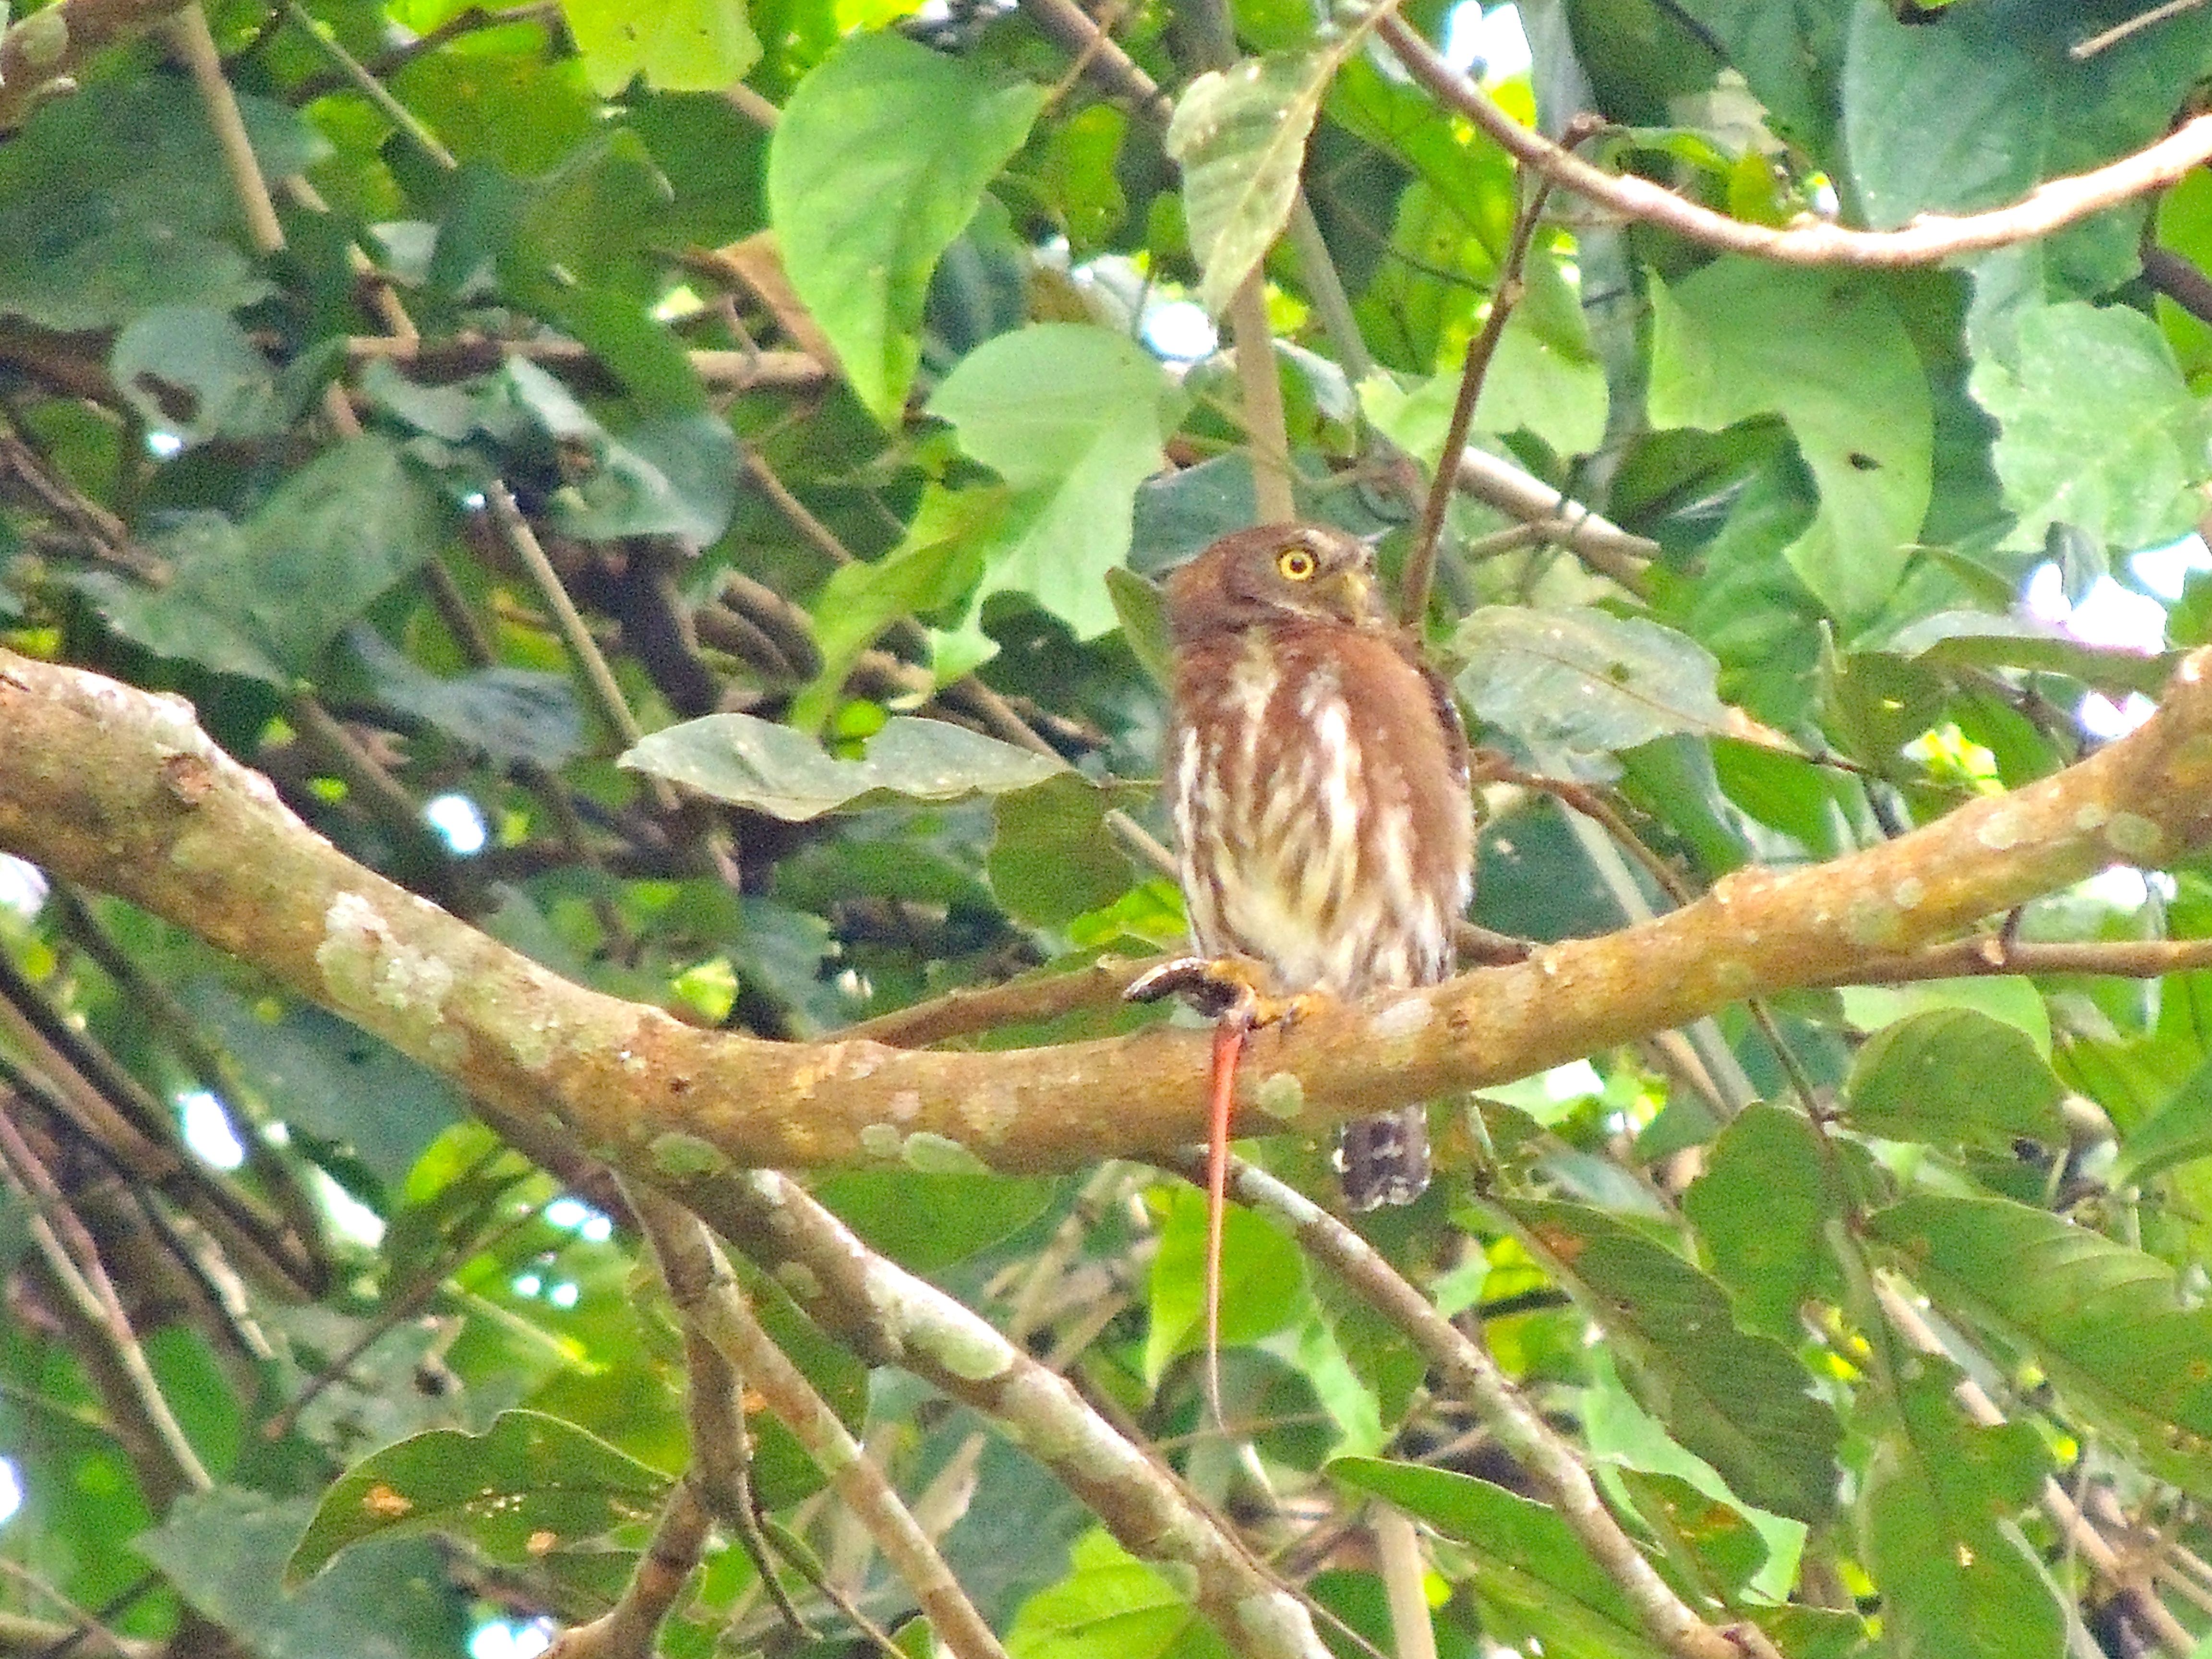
1930	239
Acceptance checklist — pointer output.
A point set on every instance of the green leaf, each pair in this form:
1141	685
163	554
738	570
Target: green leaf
880	161
2108	1324
193	372
1530	1572
331	1079
1583	680
933	567
1701	1531
1143	611
1953	1077
1851	389
224	1550
1531	387
2100	433
527	1479
502	714
1240	134
1957	1581
115	200
1741	1402
1052	858
1073	418
2179	1132
1263	1279
927	1222
1980	639
686	45
757	763
1110	1605
265	597
670	474
1760	1207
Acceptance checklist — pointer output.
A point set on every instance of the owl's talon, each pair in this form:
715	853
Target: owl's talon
1225	989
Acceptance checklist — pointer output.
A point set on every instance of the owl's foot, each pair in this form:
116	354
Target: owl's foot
1225	989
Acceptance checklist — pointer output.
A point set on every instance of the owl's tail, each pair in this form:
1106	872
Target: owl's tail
1384	1159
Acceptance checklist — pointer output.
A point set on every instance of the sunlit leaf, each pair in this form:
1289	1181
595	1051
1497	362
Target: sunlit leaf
755	762
1583	680
1951	1077
878	161
1240	134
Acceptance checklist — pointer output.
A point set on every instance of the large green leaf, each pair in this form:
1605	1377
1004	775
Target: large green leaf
1530	1572
1954	1077
1583	681
1761	1207
115	200
2108	1324
688	45
1531	387
757	763
1110	1605
225	1551
527	1482
1052	858
1240	134
1073	418
263	598
2100	433
1956	1581
880	161
1741	1402
1263	1279
1851	389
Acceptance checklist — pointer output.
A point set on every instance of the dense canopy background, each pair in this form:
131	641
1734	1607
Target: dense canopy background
451	405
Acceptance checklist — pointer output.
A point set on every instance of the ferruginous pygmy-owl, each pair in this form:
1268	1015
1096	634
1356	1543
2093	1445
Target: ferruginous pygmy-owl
1317	774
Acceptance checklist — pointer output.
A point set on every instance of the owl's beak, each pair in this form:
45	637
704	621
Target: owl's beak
1354	590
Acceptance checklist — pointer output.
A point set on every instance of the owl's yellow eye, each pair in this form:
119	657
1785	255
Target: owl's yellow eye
1296	564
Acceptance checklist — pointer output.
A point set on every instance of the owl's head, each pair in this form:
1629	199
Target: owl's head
1274	573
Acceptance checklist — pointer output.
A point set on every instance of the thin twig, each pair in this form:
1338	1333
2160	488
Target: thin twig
708	1294
1467	1367
2083	49
1421	559
370	87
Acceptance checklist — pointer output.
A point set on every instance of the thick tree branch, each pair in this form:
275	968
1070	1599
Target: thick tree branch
120	789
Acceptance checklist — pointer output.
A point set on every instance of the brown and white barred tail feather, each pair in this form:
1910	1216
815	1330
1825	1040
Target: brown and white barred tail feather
1318	784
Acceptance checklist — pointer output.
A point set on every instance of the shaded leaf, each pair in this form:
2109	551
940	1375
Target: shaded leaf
1955	1581
1760	1207
191	371
2179	1132
528	1483
1851	388
1583	680
883	152
757	763
1054	858
224	1550
265	597
1530	1572
1952	1077
504	714
1741	1402
2106	1323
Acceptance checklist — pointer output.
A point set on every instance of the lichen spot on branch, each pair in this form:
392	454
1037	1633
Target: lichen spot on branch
392	987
